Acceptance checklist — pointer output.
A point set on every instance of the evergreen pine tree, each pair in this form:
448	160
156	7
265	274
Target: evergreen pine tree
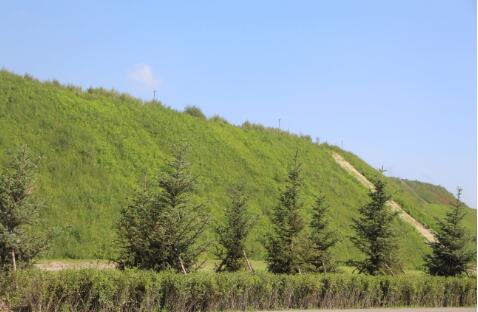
321	238
375	237
284	250
449	255
161	227
20	236
133	230
233	233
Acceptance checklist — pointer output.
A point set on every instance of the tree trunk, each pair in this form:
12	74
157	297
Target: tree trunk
14	261
247	260
182	265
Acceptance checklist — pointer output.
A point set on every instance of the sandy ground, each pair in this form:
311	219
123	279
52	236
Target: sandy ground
64	265
427	234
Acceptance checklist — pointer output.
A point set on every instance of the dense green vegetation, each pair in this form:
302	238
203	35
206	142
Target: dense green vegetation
375	237
322	239
285	251
98	146
232	234
449	256
21	237
160	228
111	290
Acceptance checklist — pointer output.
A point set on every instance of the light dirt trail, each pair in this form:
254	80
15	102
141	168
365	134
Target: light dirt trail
426	233
77	265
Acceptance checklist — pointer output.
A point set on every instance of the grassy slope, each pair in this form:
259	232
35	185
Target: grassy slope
432	194
424	201
436	203
97	146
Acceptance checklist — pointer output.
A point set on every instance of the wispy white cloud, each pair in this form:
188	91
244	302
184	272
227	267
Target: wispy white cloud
143	74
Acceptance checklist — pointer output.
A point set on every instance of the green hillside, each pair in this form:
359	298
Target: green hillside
98	145
424	201
430	193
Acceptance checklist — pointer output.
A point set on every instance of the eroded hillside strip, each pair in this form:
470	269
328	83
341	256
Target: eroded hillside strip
394	205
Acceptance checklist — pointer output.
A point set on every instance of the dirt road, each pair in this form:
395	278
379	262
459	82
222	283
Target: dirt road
57	265
473	309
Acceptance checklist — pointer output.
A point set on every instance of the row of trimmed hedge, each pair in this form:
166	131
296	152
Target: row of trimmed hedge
131	290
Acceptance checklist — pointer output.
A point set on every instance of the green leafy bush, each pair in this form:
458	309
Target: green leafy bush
219	119
195	112
110	290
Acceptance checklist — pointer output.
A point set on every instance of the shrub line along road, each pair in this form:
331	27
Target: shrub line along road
451	309
392	204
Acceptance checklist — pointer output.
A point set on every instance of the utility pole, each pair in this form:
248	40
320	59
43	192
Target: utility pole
279	123
154	95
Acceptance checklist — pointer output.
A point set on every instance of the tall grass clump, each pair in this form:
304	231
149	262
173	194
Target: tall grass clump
131	290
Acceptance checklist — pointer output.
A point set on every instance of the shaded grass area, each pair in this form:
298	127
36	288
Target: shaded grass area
111	290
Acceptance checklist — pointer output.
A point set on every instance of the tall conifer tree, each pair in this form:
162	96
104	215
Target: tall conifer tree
162	226
284	250
374	235
450	255
321	238
233	233
21	238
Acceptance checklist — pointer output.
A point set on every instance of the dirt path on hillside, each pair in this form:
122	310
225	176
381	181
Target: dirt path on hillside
394	205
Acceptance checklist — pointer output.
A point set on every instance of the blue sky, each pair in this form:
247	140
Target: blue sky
392	81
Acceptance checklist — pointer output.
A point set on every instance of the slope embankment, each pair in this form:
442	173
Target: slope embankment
426	233
98	146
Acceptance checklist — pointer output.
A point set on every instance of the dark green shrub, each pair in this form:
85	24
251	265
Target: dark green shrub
374	235
20	238
322	239
232	234
450	255
160	228
219	119
195	112
283	244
